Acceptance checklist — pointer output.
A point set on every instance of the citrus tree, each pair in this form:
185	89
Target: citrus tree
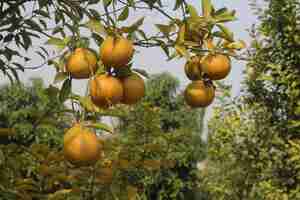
96	40
254	143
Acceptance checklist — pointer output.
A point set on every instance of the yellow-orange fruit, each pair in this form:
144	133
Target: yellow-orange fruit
198	94
192	68
216	67
134	89
106	90
81	146
116	52
82	63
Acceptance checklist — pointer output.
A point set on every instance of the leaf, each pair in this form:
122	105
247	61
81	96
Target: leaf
227	34
238	45
206	8
42	13
65	90
59	77
178	4
192	11
87	104
181	35
106	3
57	42
182	51
225	16
96	26
165	29
124	14
101	126
141	72
33	25
134	27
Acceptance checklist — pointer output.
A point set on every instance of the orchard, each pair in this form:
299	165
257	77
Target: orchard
56	144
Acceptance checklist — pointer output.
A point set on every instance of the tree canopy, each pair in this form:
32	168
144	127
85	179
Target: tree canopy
254	141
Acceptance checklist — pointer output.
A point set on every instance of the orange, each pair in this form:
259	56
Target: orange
116	52
192	68
82	63
198	94
81	146
106	90
216	66
134	89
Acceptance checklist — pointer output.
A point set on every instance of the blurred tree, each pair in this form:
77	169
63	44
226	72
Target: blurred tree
31	114
164	119
254	143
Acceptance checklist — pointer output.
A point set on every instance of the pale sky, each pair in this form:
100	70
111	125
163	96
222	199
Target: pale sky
153	60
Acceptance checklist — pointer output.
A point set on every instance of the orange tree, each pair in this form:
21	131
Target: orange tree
74	28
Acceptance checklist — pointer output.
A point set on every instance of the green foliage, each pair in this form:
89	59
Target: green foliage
143	158
254	142
32	114
163	128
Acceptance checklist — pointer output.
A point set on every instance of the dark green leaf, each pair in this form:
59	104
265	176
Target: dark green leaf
124	14
65	90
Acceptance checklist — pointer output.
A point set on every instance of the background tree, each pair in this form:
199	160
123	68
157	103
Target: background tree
163	128
254	142
144	157
31	114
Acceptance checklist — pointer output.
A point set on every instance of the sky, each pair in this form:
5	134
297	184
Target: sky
153	60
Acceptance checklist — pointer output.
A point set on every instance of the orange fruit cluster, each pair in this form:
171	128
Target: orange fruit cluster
108	88
202	71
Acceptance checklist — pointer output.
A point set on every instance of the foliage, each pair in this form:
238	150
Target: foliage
85	23
31	115
144	158
254	141
173	132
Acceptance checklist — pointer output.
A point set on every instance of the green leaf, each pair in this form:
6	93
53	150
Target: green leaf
107	2
59	77
181	35
224	16
124	14
182	51
134	27
42	13
33	25
178	4
57	42
101	126
227	34
65	90
165	29
192	11
96	26
141	72
206	8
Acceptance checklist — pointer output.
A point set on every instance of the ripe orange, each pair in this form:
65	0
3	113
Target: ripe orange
216	67
192	68
81	146
106	90
198	94
116	52
81	63
134	89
